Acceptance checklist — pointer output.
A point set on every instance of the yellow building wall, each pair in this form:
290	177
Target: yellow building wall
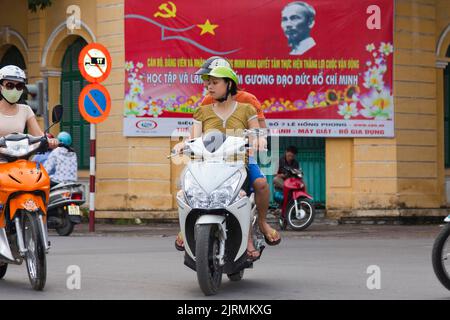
385	176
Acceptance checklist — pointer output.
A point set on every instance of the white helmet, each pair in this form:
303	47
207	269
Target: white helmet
12	73
211	63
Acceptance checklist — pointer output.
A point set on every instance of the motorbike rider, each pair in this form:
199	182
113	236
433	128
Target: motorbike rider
16	117
288	160
62	162
225	114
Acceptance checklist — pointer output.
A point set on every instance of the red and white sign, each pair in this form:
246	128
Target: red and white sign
94	63
337	81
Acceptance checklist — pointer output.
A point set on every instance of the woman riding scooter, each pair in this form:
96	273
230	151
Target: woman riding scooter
25	186
226	115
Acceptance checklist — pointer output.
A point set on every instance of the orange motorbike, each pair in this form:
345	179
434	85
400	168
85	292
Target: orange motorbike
24	195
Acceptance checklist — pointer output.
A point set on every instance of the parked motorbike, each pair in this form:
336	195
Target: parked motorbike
215	209
24	196
297	207
440	255
64	206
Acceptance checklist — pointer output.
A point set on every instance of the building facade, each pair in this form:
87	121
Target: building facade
408	175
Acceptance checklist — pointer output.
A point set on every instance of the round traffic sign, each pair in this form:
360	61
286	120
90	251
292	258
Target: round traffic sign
94	103
94	62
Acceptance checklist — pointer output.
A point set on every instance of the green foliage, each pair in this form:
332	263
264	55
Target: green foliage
33	5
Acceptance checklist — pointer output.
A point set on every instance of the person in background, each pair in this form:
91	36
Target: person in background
62	162
288	160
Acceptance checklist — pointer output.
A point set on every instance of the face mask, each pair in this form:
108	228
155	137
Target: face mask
11	96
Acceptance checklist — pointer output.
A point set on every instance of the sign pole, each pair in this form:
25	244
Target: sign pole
92	180
94	105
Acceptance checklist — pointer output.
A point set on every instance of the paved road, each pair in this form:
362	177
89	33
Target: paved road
327	261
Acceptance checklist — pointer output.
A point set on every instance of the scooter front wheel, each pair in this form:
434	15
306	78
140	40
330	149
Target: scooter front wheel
35	255
301	218
209	272
440	256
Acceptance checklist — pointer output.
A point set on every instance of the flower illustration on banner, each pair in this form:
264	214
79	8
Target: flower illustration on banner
316	100
373	78
155	110
134	106
129	65
332	97
136	88
370	47
299	104
386	48
280	104
348	110
351	94
378	105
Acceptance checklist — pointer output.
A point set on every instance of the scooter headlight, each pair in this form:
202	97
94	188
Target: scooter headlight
195	195
219	198
18	148
222	196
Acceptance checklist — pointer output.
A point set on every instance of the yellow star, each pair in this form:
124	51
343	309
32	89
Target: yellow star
207	27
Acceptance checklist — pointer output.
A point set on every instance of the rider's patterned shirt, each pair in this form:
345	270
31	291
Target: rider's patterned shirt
63	164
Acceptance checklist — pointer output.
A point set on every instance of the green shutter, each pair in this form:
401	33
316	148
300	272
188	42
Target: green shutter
311	156
71	85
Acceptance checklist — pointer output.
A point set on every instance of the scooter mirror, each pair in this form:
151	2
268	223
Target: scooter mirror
57	113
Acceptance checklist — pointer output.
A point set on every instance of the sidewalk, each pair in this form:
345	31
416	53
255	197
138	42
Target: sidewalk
320	228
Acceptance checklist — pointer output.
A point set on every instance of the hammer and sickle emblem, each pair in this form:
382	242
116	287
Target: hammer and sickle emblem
167	13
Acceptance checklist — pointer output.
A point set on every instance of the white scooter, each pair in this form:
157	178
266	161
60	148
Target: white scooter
215	210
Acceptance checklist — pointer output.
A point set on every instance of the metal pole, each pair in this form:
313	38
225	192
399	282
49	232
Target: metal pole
45	103
92	181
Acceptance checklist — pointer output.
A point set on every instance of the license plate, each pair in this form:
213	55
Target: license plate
74	210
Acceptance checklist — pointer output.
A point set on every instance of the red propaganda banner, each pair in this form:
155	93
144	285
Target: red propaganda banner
320	68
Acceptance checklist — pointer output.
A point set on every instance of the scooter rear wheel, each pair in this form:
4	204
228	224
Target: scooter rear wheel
3	269
307	213
209	273
441	256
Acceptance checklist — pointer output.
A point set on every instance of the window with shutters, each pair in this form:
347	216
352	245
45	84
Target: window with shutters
71	85
13	56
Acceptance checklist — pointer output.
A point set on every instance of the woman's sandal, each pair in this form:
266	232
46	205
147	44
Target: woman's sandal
250	256
274	233
179	240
